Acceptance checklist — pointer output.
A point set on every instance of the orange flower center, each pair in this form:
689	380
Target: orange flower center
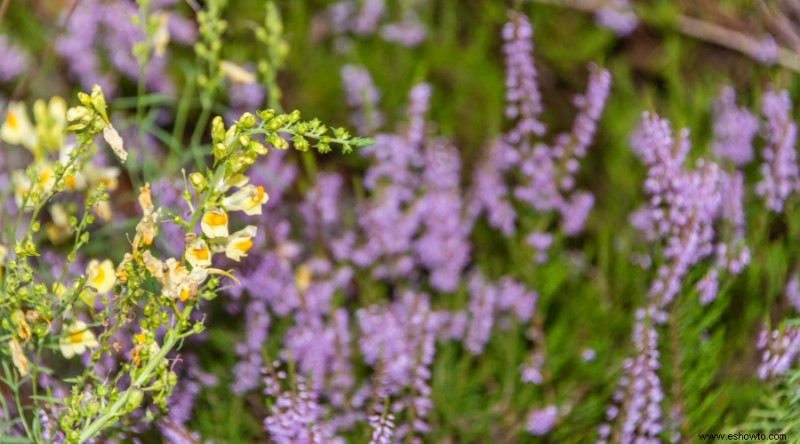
100	276
200	253
215	219
11	120
76	338
244	245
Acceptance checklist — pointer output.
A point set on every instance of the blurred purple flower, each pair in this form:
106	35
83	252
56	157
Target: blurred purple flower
541	421
781	176
734	129
14	60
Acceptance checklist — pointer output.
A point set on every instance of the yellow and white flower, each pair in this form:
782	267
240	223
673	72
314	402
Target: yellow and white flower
236	73
51	119
17	128
198	254
103	210
58	229
249	199
215	223
238	180
161	36
18	357
76	340
240	242
107	176
101	275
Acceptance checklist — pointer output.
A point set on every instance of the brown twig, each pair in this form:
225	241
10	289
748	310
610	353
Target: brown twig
3	8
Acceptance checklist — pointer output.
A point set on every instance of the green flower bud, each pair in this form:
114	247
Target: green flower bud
300	143
99	102
198	182
294	116
247	120
84	98
172	378
275	123
198	328
278	142
257	148
244	140
134	400
219	151
266	115
217	129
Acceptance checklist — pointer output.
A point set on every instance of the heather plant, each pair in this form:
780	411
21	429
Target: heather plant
567	221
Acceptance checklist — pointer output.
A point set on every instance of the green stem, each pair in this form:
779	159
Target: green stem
115	410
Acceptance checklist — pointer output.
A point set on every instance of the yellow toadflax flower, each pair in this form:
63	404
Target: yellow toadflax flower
215	223
18	357
161	36
198	254
147	229
240	242
236	73
249	199
101	275
302	277
77	339
17	128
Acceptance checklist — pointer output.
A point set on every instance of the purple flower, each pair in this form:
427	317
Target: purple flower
363	99
638	397
618	16
734	129
14	60
781	349
490	192
408	32
683	204
524	102
707	287
792	291
295	417
482	310
541	421
781	176
443	247
382	428
540	242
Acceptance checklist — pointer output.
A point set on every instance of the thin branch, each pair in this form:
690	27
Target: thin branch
707	32
3	8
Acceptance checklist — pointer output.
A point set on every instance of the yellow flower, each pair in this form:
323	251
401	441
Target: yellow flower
249	199
77	340
236	73
107	176
238	180
198	254
215	223
103	210
302	277
17	128
240	242
58	230
51	119
18	357
161	36
101	275
146	229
